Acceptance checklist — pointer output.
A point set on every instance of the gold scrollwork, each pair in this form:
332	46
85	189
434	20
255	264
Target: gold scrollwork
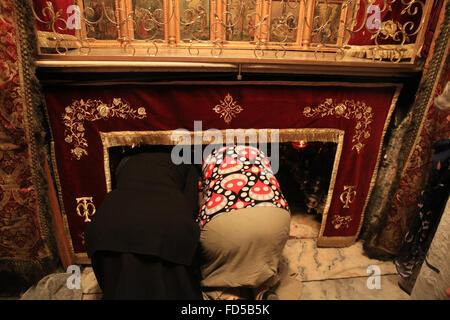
228	109
54	25
85	208
358	111
92	110
320	26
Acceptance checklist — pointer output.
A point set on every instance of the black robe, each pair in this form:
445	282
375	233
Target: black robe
149	215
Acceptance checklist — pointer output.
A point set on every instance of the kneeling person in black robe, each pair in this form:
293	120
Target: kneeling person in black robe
143	238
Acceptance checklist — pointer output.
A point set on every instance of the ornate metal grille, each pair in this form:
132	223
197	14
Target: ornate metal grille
381	30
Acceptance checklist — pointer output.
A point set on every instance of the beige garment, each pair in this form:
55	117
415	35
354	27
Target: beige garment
242	248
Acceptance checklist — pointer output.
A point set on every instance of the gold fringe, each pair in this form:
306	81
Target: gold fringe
129	138
391	52
337	159
337	242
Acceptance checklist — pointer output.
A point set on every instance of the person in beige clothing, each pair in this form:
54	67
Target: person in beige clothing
244	222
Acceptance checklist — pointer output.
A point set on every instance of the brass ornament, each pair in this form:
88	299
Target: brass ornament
85	208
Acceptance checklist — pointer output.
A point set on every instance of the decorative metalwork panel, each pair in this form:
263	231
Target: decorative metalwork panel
284	20
149	19
100	18
378	30
326	22
194	20
240	17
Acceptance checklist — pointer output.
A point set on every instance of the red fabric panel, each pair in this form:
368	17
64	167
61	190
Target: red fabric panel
178	106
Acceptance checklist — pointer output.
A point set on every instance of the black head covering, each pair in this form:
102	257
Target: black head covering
140	170
151	210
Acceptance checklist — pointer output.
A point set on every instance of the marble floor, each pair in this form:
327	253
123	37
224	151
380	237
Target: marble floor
307	273
336	273
353	289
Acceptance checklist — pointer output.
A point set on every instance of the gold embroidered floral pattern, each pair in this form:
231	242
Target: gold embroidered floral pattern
91	110
228	108
341	221
358	111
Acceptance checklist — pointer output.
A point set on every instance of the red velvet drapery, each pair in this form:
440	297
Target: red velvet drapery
79	114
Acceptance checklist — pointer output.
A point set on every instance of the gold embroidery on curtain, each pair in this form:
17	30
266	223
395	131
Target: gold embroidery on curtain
340	221
228	109
343	241
348	109
92	110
